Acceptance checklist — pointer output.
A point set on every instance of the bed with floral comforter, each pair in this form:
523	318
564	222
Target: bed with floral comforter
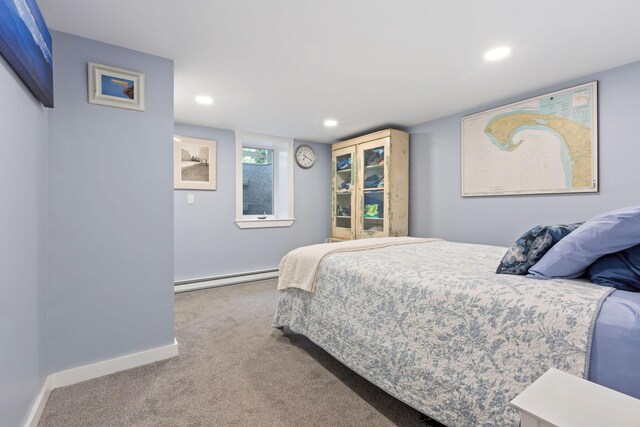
433	325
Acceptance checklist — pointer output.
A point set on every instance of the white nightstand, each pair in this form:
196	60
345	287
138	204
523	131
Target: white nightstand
563	400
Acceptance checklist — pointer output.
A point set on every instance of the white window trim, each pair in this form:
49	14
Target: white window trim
282	191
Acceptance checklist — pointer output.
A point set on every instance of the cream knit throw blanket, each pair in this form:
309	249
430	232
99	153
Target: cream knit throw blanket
298	268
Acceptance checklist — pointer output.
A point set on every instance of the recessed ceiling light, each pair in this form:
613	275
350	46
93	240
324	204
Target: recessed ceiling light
177	139
204	100
497	53
330	123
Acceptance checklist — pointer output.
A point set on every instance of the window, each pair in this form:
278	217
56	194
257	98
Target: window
264	181
257	181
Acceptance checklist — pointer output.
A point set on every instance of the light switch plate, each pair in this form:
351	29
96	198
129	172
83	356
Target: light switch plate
191	199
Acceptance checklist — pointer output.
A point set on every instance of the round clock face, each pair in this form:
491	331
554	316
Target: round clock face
305	157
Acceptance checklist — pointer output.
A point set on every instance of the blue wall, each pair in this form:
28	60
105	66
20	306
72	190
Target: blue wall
207	240
436	208
110	211
23	261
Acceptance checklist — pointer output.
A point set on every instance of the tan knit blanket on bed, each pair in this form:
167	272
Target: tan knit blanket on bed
298	268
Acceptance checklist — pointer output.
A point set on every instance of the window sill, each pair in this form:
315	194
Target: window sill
265	223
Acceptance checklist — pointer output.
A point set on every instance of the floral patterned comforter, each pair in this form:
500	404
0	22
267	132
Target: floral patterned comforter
433	325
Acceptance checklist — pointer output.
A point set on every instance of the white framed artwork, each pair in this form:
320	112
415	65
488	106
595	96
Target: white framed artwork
194	163
115	87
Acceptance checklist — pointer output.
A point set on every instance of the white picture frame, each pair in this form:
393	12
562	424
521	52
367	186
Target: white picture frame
498	158
194	163
115	87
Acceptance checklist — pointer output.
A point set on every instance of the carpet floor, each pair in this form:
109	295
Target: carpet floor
234	369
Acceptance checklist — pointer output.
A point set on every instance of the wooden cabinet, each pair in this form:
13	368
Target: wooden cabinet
370	186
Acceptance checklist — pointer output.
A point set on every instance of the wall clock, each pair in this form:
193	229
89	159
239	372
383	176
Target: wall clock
305	157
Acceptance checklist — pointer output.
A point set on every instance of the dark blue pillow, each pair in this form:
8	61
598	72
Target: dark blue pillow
620	270
531	246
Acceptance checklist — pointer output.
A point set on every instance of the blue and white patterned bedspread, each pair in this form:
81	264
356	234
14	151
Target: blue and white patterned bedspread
433	325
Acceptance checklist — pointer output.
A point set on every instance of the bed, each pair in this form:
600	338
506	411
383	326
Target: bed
433	325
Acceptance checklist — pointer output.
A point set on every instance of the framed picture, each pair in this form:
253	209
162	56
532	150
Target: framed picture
115	87
25	43
194	163
542	145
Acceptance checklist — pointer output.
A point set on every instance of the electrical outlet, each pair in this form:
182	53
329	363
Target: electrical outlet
191	199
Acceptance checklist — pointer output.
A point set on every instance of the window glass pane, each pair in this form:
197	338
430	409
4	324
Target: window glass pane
344	184
257	181
257	156
374	189
373	210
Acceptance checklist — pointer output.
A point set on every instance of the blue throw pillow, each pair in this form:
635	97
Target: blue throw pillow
602	235
620	270
531	246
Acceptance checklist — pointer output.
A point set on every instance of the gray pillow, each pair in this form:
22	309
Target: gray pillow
531	247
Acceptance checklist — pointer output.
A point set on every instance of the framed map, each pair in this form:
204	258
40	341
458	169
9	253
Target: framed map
546	144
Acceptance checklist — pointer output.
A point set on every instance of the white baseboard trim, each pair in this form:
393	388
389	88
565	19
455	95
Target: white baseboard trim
96	370
39	404
106	367
234	279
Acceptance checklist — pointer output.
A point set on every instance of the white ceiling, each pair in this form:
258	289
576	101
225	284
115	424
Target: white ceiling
283	66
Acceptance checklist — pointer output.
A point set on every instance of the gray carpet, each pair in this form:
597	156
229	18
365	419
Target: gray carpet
233	370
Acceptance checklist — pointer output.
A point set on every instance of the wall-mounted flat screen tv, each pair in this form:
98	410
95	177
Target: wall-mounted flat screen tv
25	43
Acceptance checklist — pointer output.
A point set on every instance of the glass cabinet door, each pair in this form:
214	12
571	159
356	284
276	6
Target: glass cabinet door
343	193
373	166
